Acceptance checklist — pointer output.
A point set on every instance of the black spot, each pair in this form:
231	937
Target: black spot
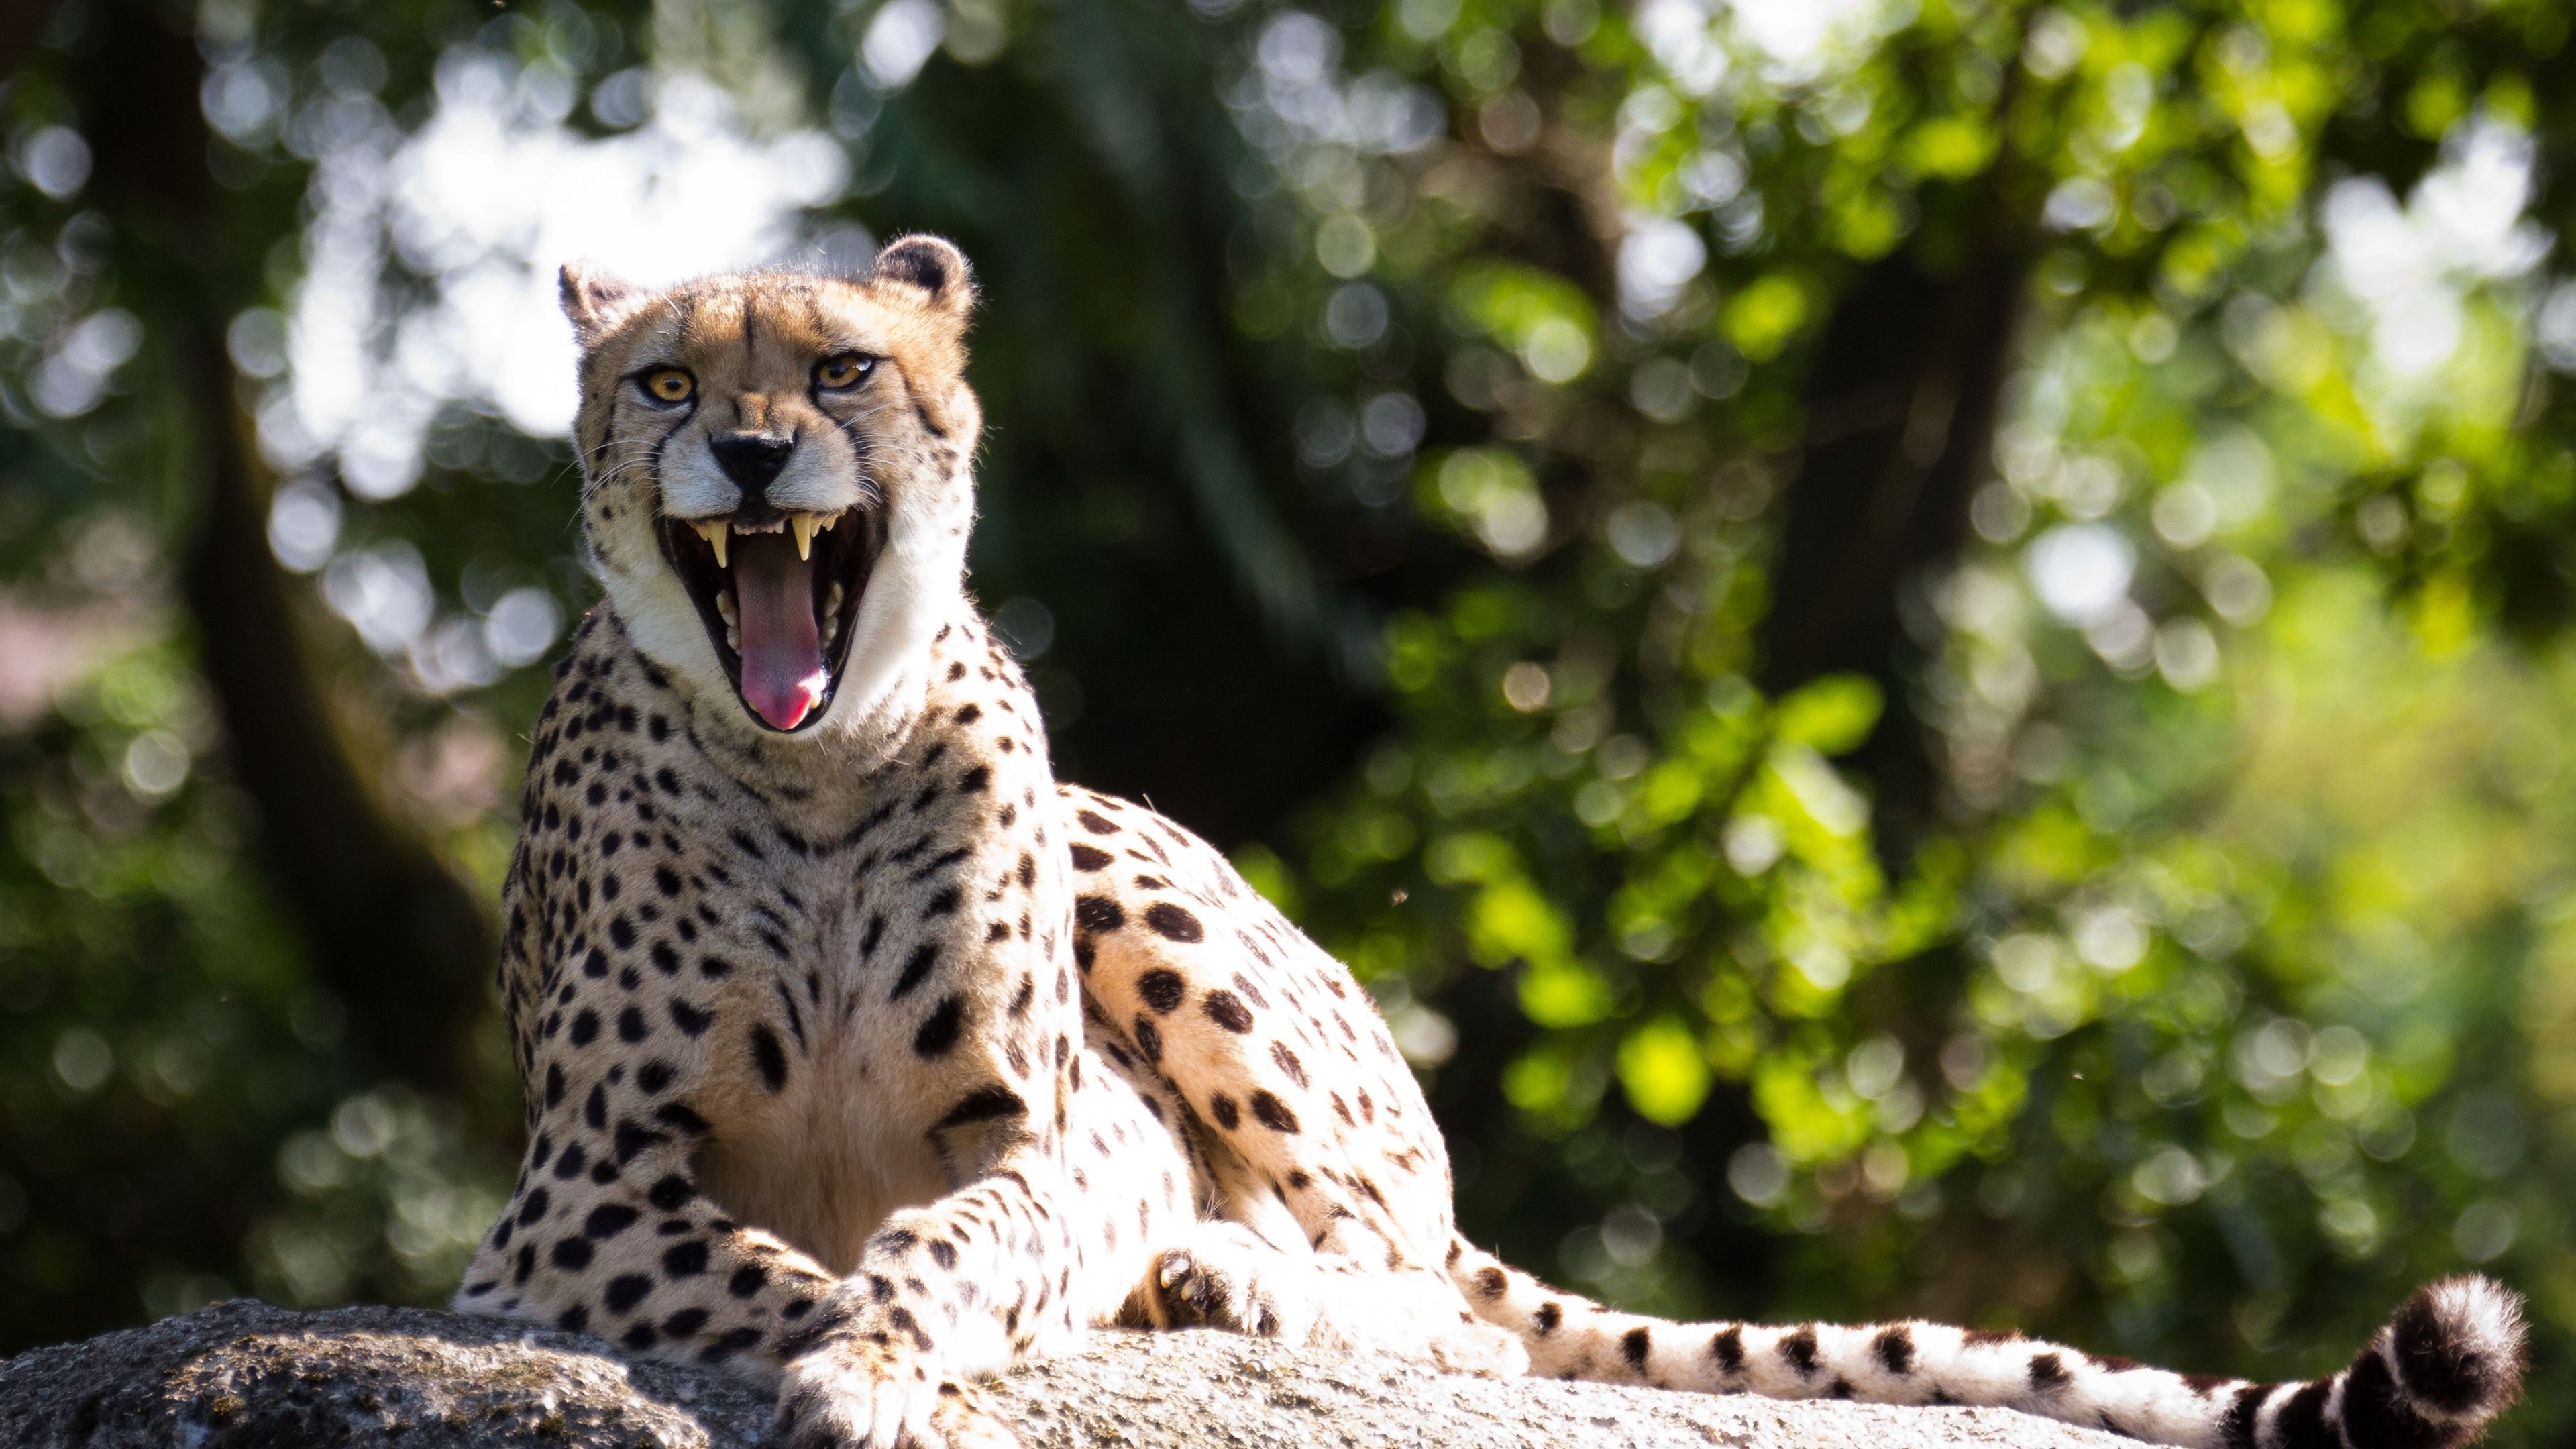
1895	1348
1095	823
1634	1345
608	1220
1222	1108
974	780
1098	914
1227	1010
2302	1421
2372	1414
1274	1114
769	1056
554	1084
685	1260
1798	1350
585	1027
625	1291
734	1342
747	1280
1088	858
1149	1039
685	1322
2048	1373
575	1157
1288	1063
680	1115
944	903
983	1105
689	1019
1728	1349
594	1109
1548	1316
924	956
574	1319
1162	989
939	1032
538	1204
653	1076
633	1138
572	1253
671	1193
1173	923
630	1025
943	1252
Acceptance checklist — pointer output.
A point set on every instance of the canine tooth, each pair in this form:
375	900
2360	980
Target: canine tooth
828	520
832	604
724	605
713	531
733	638
803	524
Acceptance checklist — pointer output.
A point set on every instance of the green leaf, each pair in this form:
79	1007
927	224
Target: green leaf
1663	1071
1831	715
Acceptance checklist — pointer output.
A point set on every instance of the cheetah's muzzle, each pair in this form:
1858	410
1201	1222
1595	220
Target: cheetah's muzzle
777	592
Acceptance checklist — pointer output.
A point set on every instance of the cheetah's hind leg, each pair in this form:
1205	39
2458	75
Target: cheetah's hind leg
1227	1277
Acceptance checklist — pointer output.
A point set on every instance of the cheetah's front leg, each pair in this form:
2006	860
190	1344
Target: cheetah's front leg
1047	1242
886	1359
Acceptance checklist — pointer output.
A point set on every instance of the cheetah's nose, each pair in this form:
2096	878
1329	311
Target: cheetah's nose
751	460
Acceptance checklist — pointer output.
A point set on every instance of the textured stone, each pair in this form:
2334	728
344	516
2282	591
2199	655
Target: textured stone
244	1373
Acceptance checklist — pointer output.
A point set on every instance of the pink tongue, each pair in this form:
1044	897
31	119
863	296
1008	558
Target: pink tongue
782	653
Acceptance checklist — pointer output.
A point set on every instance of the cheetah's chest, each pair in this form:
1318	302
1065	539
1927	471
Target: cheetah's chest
819	1159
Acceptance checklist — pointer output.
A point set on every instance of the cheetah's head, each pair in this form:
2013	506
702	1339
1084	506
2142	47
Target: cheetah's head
778	480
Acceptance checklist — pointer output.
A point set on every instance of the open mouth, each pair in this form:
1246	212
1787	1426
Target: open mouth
777	592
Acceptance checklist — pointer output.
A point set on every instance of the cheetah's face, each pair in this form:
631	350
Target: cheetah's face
777	474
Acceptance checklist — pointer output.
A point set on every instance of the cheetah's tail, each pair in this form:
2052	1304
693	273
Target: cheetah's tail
2449	1361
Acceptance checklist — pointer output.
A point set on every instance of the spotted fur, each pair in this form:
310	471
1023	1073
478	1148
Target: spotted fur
864	1057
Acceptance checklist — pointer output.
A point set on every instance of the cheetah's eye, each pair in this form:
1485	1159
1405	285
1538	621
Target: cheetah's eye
670	385
844	370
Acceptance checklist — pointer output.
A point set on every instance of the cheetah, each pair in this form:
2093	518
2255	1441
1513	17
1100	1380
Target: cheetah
862	1056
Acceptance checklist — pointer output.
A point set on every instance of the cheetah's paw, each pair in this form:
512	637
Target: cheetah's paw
1245	1288
853	1396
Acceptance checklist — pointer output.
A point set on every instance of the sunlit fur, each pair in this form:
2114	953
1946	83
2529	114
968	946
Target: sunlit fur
906	433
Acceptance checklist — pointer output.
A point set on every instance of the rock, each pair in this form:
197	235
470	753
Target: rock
244	1373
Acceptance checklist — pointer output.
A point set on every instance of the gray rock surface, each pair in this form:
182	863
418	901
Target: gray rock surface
244	1373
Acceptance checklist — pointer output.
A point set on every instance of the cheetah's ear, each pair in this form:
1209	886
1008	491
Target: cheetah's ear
931	267
597	302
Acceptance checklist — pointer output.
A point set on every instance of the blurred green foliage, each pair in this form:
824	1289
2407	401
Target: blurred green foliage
1923	649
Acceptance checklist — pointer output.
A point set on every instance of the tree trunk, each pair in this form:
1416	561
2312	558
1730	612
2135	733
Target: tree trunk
1901	416
398	937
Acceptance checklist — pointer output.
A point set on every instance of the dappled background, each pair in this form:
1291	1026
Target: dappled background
1926	650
